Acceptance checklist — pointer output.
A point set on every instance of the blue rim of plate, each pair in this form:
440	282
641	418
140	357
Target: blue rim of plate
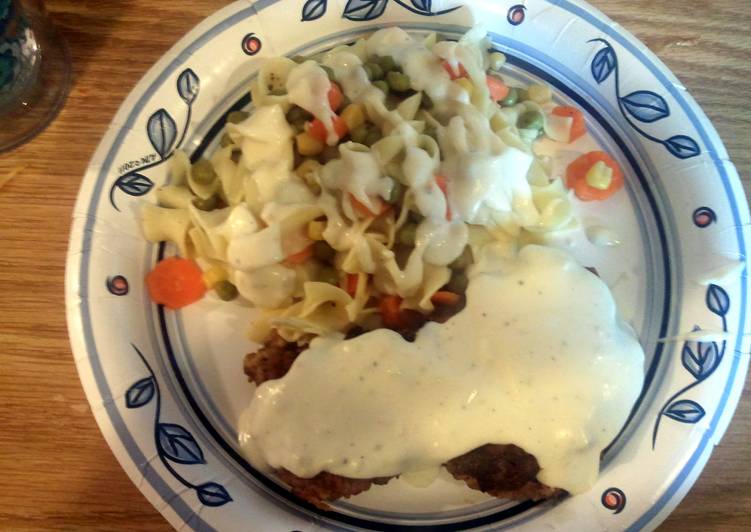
708	138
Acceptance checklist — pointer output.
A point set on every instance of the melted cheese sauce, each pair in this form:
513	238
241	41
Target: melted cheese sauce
538	358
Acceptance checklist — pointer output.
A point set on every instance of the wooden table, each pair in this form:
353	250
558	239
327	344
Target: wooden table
58	473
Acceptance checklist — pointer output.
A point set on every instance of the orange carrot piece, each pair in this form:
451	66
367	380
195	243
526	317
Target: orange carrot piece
350	284
301	256
363	209
576	176
335	97
317	130
447	67
391	314
498	89
445	298
578	127
443	185
175	283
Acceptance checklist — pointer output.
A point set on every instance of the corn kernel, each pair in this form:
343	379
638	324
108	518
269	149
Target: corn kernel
539	93
600	176
315	230
307	145
466	84
214	275
353	115
496	60
306	168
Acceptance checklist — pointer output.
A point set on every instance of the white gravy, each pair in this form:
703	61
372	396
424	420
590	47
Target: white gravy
539	358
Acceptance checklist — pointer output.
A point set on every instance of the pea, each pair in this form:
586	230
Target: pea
463	261
328	275
372	137
397	191
407	234
226	140
203	172
398	81
530	120
511	98
426	102
225	290
323	251
387	63
359	134
345	101
209	204
458	283
235	117
382	85
522	95
299	59
329	71
374	71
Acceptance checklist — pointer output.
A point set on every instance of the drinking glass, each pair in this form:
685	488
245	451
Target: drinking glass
35	71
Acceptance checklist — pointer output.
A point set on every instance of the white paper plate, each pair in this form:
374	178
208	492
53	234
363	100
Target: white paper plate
167	387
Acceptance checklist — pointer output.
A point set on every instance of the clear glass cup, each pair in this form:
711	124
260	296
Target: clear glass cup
35	71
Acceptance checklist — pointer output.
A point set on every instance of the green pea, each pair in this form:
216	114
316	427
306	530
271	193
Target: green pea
458	283
463	261
397	191
387	63
382	85
329	71
372	137
407	235
203	172
299	59
323	251
328	275
235	117
359	134
511	98
208	204
225	290
522	95
398	81
374	71
226	140
530	120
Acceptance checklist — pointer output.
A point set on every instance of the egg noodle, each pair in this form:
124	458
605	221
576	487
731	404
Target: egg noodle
431	169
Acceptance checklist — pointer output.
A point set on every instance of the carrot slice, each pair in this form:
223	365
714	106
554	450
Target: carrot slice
335	96
317	130
498	89
576	176
445	298
350	284
176	283
578	127
442	183
450	71
301	256
391	314
363	209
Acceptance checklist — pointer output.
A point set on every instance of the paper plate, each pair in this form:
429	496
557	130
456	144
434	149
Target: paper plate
167	387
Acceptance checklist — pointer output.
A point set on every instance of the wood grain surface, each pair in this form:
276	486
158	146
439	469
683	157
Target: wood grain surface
57	471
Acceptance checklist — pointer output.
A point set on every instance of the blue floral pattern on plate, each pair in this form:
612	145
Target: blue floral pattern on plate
173	442
370	9
642	105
